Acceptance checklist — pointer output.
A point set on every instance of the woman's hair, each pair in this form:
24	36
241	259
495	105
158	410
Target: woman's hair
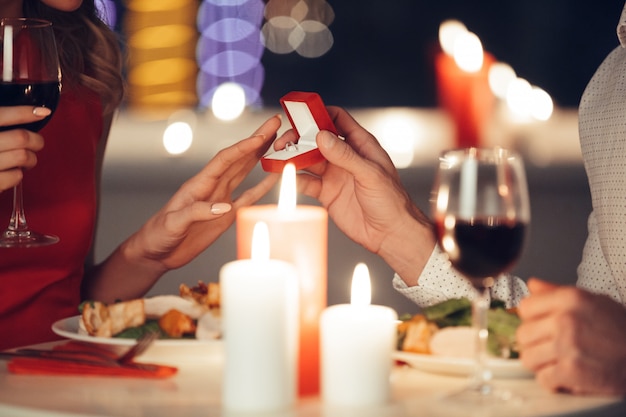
88	50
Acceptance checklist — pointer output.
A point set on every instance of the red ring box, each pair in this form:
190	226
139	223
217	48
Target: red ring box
307	115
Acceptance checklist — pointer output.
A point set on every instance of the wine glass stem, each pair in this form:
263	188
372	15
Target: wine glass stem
18	220
480	309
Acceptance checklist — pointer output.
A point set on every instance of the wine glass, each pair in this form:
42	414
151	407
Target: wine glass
481	210
31	76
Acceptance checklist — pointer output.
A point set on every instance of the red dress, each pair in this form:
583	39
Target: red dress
41	285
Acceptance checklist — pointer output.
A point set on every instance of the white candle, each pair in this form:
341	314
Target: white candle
298	235
357	341
260	321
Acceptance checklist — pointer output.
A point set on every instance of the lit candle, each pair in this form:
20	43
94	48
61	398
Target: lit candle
259	310
462	75
299	235
357	341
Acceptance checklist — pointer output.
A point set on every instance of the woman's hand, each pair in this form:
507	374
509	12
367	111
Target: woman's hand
203	208
574	340
196	215
18	147
361	189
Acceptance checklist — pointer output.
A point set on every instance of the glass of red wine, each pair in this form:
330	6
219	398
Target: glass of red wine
481	211
31	76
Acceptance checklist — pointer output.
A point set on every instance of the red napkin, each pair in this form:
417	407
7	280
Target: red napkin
52	366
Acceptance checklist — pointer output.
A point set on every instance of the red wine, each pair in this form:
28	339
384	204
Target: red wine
481	249
30	93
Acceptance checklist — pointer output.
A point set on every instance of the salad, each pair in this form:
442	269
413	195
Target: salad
445	329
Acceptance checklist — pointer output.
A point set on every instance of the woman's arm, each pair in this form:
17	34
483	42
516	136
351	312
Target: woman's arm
196	215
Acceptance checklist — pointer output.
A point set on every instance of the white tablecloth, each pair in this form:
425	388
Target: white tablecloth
195	391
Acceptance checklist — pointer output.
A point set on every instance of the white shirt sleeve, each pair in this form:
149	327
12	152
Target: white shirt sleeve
439	282
594	273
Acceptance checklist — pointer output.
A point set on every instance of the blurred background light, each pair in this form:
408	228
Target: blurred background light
177	138
229	101
179	132
541	104
107	11
500	76
449	30
161	39
468	52
229	51
298	25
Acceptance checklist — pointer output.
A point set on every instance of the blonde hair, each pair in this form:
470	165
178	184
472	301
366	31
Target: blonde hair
89	50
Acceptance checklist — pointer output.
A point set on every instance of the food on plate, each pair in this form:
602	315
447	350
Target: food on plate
104	320
195	313
176	324
444	329
204	294
416	333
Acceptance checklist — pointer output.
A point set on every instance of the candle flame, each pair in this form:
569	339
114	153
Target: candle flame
287	197
361	286
260	242
468	52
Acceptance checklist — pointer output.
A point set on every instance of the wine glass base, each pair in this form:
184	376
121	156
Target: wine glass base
483	400
26	239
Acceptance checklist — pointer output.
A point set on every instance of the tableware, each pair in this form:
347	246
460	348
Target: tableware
500	368
92	356
31	76
481	211
70	328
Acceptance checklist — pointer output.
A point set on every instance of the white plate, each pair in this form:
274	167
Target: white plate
70	329
501	368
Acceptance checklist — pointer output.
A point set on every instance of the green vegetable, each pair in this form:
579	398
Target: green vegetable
447	308
501	323
147	327
138	331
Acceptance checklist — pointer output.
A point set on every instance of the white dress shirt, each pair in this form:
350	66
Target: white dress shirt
602	131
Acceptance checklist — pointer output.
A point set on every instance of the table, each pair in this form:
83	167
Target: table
195	391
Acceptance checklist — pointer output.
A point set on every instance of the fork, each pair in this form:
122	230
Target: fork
143	343
126	359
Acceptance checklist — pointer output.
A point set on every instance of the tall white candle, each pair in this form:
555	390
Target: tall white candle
357	341
260	321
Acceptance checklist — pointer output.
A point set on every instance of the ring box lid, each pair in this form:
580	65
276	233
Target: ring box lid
307	115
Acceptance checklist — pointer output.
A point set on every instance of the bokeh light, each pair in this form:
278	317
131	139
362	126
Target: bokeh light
177	138
449	30
161	40
468	52
107	12
300	26
518	97
229	49
229	101
541	104
399	133
500	77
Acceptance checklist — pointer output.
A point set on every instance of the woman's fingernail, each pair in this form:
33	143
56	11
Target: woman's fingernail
41	111
220	208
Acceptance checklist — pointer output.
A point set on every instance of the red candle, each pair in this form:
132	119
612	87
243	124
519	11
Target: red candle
465	93
298	235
